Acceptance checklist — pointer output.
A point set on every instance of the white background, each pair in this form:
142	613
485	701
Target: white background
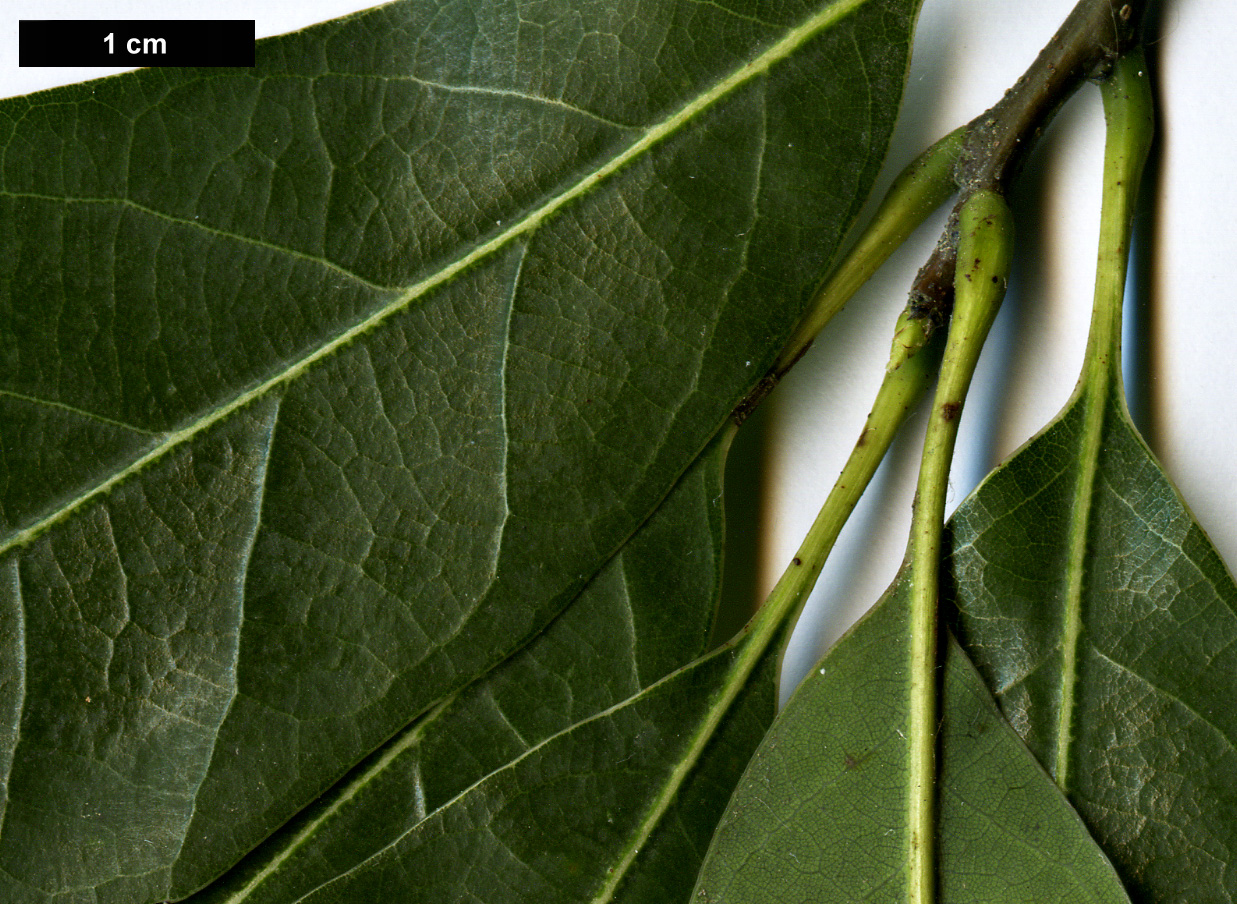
967	53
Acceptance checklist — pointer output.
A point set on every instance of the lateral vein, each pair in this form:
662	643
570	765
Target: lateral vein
72	409
213	230
242	578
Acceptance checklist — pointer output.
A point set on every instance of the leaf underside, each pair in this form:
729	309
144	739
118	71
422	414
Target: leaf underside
820	814
579	818
644	615
1153	767
325	386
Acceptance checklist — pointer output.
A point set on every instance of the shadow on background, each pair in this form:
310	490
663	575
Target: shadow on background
1142	353
744	485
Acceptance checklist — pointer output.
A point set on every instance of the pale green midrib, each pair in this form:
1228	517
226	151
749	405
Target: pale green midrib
922	705
206	227
985	238
346	795
922	714
667	127
1093	399
1125	150
80	412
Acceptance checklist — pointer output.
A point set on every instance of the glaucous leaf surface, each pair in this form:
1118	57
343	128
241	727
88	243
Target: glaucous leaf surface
647	612
820	814
1150	741
326	385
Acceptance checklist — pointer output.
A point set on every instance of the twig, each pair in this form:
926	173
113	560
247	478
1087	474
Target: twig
1090	40
994	145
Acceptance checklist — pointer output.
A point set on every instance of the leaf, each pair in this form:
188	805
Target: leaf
616	808
1148	751
325	386
820	814
644	615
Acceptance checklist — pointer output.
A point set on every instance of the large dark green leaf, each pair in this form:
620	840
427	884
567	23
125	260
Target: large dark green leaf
820	814
325	386
1146	753
645	614
617	808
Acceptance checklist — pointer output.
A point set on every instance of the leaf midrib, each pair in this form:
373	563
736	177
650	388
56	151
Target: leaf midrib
1094	400
779	51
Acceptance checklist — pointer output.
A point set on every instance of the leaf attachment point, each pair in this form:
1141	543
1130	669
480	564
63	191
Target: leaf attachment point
1095	607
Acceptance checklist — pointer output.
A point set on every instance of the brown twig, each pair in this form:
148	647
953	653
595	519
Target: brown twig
1094	35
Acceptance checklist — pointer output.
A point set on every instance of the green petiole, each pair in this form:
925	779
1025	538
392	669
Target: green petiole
923	186
1128	113
1130	120
984	252
912	362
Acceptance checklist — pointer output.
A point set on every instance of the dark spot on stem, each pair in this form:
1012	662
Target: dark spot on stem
796	560
950	410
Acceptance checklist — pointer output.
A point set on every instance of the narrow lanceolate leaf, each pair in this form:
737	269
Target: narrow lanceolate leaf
820	814
326	385
645	614
1146	750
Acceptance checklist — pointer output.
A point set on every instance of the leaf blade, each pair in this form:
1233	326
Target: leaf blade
820	814
572	672
246	241
565	858
1151	737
